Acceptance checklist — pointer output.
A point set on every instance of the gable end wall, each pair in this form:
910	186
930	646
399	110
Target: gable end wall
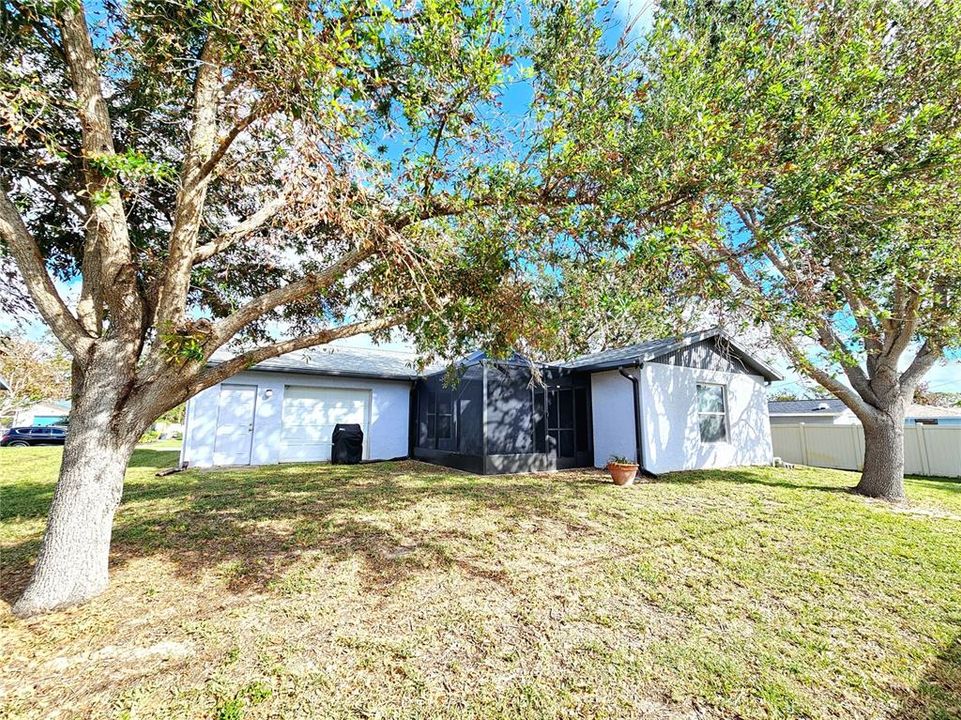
705	355
671	429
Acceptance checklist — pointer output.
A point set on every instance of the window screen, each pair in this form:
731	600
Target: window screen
431	416
712	413
445	415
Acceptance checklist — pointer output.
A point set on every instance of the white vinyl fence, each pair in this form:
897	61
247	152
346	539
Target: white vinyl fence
928	449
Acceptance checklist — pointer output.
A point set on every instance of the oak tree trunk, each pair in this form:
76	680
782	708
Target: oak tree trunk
883	474
72	565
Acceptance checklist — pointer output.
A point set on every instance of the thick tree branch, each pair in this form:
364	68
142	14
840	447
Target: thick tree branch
107	265
225	329
923	361
252	224
904	327
827	337
861	314
42	290
859	406
191	198
221	371
859	398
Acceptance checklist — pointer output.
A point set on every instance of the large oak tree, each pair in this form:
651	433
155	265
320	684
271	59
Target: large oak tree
820	144
268	176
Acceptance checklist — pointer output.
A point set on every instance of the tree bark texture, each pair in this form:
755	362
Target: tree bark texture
72	565
883	474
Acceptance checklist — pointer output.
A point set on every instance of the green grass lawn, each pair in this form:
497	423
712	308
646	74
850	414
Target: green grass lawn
400	590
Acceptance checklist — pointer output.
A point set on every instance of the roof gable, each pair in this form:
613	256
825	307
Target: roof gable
655	350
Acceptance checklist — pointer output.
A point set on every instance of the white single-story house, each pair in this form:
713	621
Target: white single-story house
697	401
831	411
45	412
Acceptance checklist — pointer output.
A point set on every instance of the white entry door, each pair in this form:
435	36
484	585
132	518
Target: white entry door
309	417
235	424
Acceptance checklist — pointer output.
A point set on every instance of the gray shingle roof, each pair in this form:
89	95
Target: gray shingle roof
648	349
343	361
796	407
651	349
373	363
836	407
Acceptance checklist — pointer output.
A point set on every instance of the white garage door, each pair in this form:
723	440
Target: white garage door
309	417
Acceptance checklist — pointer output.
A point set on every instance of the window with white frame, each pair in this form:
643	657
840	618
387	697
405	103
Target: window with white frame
712	412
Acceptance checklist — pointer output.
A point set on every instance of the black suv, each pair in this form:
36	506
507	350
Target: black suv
26	436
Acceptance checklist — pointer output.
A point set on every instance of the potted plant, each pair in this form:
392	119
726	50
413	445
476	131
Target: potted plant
622	470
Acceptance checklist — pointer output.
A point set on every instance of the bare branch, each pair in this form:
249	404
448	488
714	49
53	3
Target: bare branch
250	225
258	111
923	361
29	261
66	203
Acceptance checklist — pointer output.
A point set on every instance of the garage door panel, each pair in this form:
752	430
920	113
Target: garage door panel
310	414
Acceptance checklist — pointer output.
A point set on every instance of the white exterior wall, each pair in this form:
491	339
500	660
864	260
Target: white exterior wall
612	410
672	438
389	416
671	434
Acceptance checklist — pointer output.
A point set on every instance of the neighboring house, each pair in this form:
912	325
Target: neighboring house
694	402
831	411
45	412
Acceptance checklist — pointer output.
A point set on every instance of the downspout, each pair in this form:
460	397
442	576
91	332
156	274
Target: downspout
413	419
638	437
484	461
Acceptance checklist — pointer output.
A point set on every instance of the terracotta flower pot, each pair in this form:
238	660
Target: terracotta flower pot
622	474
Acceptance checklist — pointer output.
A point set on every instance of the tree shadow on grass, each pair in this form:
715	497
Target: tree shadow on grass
952	485
258	521
30	498
938	694
154	458
733	475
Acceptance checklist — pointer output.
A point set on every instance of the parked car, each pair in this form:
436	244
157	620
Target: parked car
36	435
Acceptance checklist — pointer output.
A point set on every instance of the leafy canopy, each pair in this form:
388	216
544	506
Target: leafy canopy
819	145
442	147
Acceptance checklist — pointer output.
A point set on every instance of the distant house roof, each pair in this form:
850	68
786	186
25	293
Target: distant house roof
924	412
338	360
832	407
818	406
47	408
651	349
